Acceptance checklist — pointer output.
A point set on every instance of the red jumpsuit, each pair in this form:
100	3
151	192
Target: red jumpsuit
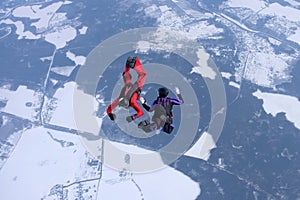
129	86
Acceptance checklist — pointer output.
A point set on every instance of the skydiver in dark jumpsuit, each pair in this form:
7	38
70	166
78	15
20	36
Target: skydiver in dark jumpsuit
162	107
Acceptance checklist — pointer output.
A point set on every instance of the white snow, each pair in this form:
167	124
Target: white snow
23	102
293	3
65	71
152	11
47	58
114	187
7	147
234	84
67	2
32	170
277	103
296	36
203	69
61	37
254	5
185	30
162	39
43	15
202	29
186	7
4	120
238	23
170	41
50	24
79	60
20	30
167	184
131	148
53	81
38	163
201	149
274	41
170	19
83	30
275	9
63	113
166	17
164	8
226	75
147	185
140	160
266	68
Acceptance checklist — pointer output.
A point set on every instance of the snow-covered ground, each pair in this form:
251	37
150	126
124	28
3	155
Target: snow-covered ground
263	68
23	102
296	36
280	103
169	18
46	162
59	158
42	159
45	158
203	68
67	70
254	5
148	185
83	30
59	110
234	84
201	149
226	75
78	60
51	25
276	9
259	61
64	71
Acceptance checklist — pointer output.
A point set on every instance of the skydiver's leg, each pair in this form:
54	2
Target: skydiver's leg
147	126
157	122
142	75
168	128
159	117
134	104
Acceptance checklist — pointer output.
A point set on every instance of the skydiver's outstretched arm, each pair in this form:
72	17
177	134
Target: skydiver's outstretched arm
144	103
146	106
179	100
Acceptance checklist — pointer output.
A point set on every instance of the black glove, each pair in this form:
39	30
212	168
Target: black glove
129	119
112	116
130	62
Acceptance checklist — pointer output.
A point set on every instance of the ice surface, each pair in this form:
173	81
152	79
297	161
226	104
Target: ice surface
277	103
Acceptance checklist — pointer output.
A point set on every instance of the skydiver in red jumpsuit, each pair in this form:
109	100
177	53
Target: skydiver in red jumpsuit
130	93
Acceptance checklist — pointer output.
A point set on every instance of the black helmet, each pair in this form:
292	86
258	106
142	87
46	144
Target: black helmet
163	92
130	62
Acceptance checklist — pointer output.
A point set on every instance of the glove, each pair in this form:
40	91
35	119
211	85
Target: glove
129	119
112	116
130	62
143	101
177	91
